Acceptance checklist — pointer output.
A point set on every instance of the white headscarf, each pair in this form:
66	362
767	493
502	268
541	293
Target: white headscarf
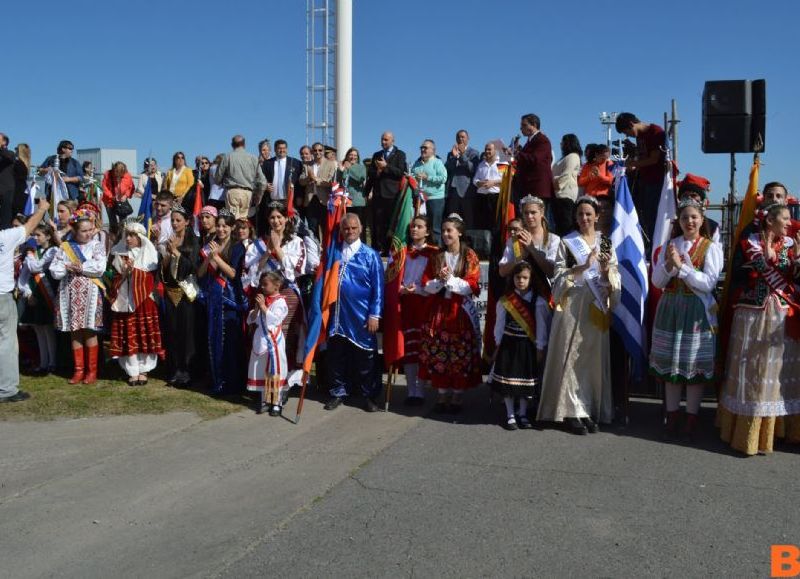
144	257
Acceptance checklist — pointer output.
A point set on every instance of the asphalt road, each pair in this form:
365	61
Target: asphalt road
351	494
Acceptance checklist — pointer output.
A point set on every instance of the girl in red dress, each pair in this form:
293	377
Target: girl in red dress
450	353
413	305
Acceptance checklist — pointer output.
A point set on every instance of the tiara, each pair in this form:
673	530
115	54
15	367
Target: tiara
225	213
689	202
531	200
454	217
177	207
587	199
276	205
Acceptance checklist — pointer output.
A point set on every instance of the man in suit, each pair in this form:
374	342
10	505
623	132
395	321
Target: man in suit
534	163
283	173
383	184
317	178
461	163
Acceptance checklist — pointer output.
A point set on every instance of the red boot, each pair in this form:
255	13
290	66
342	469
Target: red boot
77	357
91	370
671	427
690	427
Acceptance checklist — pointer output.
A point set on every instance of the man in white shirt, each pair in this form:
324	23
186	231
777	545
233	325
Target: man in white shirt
10	239
282	173
487	180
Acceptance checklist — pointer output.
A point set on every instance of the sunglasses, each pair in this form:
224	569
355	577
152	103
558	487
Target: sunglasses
318	150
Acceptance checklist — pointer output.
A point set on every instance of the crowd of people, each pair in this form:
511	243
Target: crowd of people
220	297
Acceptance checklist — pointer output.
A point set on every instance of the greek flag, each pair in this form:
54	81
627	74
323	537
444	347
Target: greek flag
628	315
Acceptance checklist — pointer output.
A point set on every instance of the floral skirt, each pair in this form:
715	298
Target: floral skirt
449	357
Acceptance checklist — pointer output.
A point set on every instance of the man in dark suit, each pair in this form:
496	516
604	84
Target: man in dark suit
534	163
281	171
383	184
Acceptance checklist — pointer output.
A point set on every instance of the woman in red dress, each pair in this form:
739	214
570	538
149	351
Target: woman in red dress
135	332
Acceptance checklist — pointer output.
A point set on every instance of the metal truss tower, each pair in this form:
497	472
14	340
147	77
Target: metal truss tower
320	71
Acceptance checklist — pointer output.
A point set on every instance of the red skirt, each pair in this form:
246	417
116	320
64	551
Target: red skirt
449	355
137	332
413	312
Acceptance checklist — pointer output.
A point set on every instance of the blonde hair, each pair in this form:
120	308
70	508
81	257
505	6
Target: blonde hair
24	154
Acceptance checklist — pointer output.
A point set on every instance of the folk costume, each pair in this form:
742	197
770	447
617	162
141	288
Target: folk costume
577	374
267	369
135	331
450	350
225	306
37	286
413	312
760	398
514	371
352	353
684	332
179	309
80	298
259	259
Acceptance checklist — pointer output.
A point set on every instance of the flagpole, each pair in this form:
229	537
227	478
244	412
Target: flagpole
390	380
299	411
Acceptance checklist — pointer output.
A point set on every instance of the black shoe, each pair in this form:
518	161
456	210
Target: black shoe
370	405
334	403
18	397
275	411
440	407
510	424
418	401
576	426
261	408
524	423
590	425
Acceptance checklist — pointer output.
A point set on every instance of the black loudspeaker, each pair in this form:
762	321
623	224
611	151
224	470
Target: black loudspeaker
734	116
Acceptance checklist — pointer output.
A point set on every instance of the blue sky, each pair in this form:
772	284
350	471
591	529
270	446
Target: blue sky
167	76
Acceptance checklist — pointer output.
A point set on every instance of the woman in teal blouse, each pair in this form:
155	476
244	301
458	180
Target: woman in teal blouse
353	177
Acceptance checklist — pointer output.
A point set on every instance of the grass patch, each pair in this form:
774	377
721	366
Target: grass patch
53	397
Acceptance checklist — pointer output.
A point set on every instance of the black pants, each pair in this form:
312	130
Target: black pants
463	206
316	217
381	216
563	215
351	367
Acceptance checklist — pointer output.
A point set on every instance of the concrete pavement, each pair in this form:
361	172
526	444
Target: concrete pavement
351	494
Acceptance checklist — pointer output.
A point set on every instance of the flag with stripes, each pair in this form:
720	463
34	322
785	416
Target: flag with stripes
628	315
30	197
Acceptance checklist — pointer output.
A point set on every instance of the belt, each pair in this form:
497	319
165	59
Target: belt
238	187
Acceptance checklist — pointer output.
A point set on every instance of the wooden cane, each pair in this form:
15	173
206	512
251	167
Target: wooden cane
303	385
389	383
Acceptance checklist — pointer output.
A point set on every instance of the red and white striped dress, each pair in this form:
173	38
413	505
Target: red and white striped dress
268	354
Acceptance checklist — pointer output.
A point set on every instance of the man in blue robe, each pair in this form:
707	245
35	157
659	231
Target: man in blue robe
352	344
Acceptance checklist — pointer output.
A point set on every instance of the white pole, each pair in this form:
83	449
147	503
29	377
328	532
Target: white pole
344	76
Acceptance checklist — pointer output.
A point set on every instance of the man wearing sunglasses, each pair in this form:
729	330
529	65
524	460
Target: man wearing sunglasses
317	178
70	168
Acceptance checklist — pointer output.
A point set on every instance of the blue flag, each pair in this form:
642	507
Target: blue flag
146	207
